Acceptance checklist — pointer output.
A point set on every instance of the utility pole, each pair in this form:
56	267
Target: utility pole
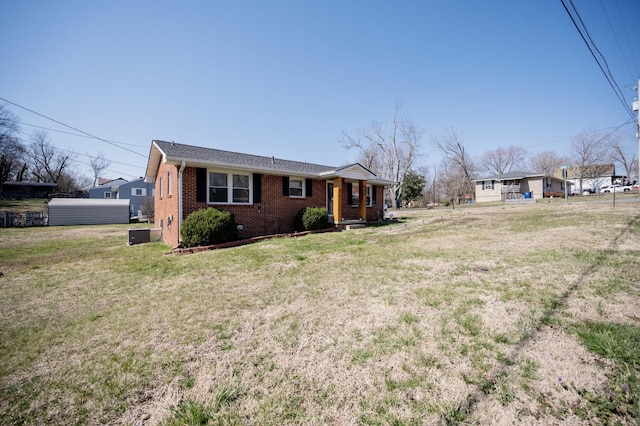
636	108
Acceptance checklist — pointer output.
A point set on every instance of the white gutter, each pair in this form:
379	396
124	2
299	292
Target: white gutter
182	166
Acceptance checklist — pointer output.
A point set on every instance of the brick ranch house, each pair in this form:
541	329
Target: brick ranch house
263	193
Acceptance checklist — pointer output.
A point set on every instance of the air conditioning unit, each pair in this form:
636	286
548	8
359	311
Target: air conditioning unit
139	235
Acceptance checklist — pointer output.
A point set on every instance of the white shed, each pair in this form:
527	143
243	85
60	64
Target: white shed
87	211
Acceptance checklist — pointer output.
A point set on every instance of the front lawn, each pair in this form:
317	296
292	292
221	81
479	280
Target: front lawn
498	315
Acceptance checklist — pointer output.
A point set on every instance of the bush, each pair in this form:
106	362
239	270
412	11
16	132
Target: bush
209	226
311	218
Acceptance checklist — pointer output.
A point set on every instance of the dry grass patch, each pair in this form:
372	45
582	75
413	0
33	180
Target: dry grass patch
446	317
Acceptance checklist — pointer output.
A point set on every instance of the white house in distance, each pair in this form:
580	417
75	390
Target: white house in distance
517	185
591	178
134	191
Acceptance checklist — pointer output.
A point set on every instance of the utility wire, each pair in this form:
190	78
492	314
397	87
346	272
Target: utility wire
77	134
615	36
608	76
626	34
614	128
90	156
71	127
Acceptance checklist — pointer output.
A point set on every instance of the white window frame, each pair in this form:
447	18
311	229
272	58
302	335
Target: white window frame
107	194
487	184
160	186
169	184
134	192
302	186
230	188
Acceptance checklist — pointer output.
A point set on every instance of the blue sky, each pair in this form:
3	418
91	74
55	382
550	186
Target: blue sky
284	78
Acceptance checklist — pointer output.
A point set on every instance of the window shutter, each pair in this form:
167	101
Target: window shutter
309	187
285	186
492	184
350	193
257	188
201	185
374	194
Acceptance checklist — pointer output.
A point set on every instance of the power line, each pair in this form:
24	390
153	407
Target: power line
626	34
89	164
615	36
615	129
77	134
71	127
607	73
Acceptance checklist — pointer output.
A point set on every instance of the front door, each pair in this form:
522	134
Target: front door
330	198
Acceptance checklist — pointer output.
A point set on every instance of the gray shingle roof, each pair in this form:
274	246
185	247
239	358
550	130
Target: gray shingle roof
176	151
511	175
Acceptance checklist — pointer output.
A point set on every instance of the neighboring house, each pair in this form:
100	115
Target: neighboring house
263	193
515	185
591	178
20	190
107	188
135	191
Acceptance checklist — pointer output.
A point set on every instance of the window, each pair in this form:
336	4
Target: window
488	184
107	194
355	194
229	188
240	188
218	188
160	187
139	192
169	184
296	187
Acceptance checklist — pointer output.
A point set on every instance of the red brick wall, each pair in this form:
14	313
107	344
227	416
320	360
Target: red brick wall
167	205
273	215
350	212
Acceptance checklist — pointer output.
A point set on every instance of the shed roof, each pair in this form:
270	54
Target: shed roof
511	175
97	202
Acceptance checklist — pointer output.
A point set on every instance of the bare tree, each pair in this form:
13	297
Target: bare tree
99	164
623	155
46	163
503	160
547	162
389	153
148	207
457	165
454	183
72	182
589	157
11	149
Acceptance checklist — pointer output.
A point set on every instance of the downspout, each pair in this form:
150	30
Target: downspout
182	166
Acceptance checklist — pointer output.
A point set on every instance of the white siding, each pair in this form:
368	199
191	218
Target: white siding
87	211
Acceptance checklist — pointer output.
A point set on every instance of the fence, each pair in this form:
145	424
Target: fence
23	219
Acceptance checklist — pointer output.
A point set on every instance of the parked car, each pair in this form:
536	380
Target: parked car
617	188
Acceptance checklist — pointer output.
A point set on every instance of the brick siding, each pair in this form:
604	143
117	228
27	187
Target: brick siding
274	215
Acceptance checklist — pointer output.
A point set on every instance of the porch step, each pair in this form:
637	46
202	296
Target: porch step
355	226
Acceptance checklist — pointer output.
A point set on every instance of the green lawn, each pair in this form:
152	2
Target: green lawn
496	315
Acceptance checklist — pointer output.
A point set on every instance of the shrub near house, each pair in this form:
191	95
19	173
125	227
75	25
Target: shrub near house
311	218
207	227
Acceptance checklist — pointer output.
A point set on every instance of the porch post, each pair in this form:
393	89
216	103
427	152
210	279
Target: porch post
337	199
362	199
